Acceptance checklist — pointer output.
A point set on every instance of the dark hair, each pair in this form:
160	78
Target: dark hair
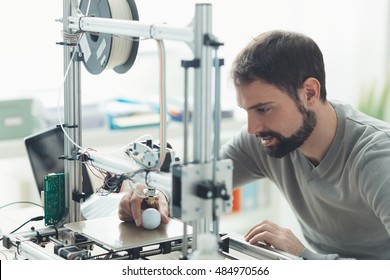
283	59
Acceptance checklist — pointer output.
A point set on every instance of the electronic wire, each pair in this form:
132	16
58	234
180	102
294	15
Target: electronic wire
162	92
37	218
59	96
163	104
17	202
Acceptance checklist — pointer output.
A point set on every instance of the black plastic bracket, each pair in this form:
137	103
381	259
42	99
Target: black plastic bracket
211	40
78	197
208	190
195	63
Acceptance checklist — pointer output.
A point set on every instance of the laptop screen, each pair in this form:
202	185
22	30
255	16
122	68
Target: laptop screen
44	150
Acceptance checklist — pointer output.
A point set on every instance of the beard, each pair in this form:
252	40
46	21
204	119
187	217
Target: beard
285	145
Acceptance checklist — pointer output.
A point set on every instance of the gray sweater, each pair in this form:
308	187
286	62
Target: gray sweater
343	204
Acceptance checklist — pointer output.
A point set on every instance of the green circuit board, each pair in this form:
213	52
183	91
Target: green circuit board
54	198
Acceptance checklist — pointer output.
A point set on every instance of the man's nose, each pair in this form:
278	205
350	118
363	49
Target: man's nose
255	125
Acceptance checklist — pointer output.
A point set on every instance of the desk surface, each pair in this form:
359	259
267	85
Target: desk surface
14	216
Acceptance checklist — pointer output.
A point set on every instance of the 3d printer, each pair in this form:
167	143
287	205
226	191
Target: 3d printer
105	35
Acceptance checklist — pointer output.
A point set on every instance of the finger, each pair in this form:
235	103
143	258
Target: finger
251	230
266	237
135	204
277	237
163	208
124	209
164	218
264	231
260	227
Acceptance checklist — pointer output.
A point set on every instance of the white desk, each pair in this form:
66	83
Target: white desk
12	217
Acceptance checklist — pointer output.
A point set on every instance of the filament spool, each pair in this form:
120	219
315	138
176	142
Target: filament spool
104	51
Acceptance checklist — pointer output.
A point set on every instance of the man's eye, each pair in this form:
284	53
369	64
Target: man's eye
263	109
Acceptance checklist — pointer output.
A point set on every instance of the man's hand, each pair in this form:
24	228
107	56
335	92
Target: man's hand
130	206
273	235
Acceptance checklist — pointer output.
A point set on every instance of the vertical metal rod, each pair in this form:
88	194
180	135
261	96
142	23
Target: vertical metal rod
185	241
69	121
217	121
194	244
202	93
202	111
185	156
217	114
77	165
185	117
67	89
72	117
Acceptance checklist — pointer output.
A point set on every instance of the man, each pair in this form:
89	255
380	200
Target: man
330	161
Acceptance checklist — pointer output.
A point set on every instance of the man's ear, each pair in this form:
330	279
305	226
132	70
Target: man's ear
311	89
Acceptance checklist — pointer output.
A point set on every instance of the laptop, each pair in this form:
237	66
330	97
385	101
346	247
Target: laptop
44	150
